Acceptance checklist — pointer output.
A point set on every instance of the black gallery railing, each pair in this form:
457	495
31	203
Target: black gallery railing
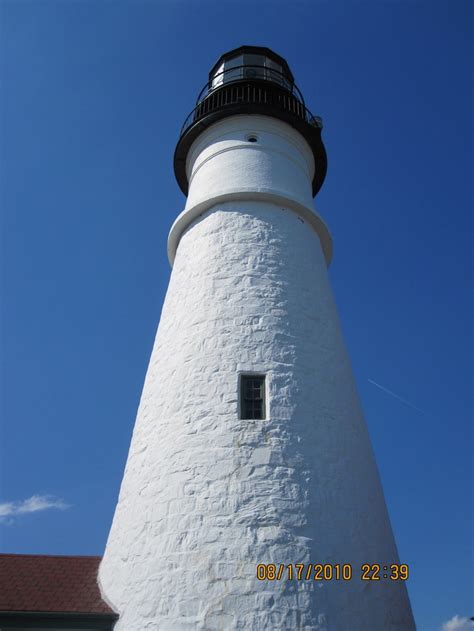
239	88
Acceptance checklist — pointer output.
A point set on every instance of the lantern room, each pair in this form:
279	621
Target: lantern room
251	62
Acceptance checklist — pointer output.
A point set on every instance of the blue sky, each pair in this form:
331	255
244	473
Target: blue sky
93	95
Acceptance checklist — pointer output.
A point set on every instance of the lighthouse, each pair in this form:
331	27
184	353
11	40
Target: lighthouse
251	499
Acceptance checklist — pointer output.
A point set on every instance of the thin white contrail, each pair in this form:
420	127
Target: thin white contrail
396	396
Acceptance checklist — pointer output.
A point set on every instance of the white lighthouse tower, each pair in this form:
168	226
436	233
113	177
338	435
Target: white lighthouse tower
251	498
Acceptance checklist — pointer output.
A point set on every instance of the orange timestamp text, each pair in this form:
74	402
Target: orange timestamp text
331	572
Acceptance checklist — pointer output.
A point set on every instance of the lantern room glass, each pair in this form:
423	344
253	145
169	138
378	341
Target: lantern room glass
250	66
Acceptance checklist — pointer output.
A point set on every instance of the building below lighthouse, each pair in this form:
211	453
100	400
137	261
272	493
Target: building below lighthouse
250	474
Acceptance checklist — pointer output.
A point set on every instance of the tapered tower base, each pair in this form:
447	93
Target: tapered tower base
206	496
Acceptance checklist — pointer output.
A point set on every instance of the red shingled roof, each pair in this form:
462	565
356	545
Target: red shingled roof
31	582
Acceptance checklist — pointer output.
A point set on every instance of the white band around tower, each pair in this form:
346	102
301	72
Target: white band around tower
276	166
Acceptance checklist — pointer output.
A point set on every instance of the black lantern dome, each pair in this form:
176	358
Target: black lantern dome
251	80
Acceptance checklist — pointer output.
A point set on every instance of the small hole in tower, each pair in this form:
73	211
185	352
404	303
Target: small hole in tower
252	138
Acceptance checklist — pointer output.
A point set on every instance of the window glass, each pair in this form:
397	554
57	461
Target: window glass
252	396
218	77
254	66
274	71
233	69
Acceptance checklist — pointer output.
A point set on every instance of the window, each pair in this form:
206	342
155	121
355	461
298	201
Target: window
274	71
218	77
252	396
233	69
254	66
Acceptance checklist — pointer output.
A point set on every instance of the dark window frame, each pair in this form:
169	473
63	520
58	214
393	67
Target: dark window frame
252	396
